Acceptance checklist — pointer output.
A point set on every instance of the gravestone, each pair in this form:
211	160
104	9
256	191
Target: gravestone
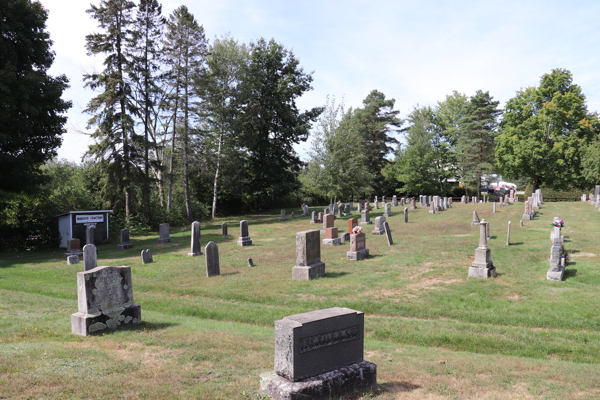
339	211
482	267
345	237
475	220
104	301
414	204
494	207
378	229
327	221
319	356
196	248
383	199
89	257
320	217
431	208
556	270
74	259
90	230
364	218
352	223
450	202
146	256
522	223
211	259
376	204
446	206
463	200
250	263
282	216
124	240
584	197
73	248
394	201
293	215
313	217
358	247
308	256
526	214
508	235
331	237
387	210
405	215
245	239
305	210
164	234
224	232
388	233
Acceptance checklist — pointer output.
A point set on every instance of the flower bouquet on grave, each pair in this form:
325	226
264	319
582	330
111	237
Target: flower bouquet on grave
357	230
558	224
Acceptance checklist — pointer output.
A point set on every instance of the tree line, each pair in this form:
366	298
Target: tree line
185	129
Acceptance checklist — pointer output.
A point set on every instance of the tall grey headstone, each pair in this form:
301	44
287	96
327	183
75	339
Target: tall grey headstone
124	240
319	356
475	220
196	248
308	256
313	218
388	233
364	218
89	257
104	301
90	230
146	256
482	267
378	229
224	232
405	215
387	210
508	235
211	259
245	239
164	234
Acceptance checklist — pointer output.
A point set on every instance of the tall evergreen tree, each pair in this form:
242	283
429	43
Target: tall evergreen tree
31	120
112	111
270	122
145	73
186	51
377	120
475	145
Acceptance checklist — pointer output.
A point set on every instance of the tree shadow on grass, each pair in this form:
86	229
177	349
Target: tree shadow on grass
335	274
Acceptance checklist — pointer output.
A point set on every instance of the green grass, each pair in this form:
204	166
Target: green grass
433	333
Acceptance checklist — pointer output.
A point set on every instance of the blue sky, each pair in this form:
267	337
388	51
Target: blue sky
414	52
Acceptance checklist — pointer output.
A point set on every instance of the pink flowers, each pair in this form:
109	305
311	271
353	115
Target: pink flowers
558	224
357	230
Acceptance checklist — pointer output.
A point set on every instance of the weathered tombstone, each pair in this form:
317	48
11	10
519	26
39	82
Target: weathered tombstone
526	214
352	223
124	240
308	256
250	263
431	208
414	204
90	230
383	199
305	210
388	233
487	231
146	256
522	224
74	259
327	221
463	200
378	229
320	217
364	218
104	300
450	202
394	201
164	234
556	269
89	257
339	211
282	216
584	197
211	259
358	247
482	267
405	215
293	215
345	237
331	237
313	217
319	356
245	239
376	204
224	232
196	248
475	220
73	248
494	207
387	210
445	203
508	235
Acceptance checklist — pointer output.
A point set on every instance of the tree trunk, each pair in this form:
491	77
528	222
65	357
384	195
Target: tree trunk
172	159
214	203
126	181
146	191
186	189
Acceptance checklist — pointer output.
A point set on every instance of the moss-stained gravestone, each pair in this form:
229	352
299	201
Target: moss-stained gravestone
104	301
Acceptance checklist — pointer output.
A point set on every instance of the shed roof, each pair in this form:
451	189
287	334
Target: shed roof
84	212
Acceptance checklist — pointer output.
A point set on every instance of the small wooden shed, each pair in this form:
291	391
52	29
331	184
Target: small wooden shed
72	225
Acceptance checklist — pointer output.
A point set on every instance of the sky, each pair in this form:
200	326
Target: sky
414	52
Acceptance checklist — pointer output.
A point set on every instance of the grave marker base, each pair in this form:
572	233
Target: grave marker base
484	273
357	255
88	324
76	253
244	241
366	223
124	246
342	382
556	275
195	254
380	231
333	242
526	216
306	273
164	240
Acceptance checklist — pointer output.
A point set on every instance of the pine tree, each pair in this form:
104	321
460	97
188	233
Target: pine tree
475	147
112	111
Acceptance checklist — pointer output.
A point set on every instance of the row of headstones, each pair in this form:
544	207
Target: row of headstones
532	204
593	198
436	203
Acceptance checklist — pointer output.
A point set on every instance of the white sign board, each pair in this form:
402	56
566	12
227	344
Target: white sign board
86	219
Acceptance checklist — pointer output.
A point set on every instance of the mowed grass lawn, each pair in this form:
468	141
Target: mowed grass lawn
433	333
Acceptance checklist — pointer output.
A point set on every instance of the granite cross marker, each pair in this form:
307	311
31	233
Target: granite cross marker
196	248
104	301
482	267
211	259
308	256
319	356
245	239
164	234
89	257
124	240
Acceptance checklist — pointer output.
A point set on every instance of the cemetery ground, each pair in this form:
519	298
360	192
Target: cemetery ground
433	333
